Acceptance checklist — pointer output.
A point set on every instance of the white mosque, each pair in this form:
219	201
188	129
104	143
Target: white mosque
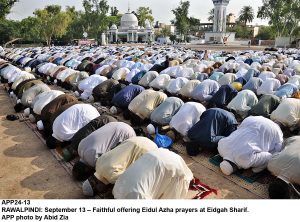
130	31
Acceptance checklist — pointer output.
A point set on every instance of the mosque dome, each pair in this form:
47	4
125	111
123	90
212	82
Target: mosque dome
129	19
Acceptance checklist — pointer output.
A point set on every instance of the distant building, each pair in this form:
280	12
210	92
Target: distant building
130	31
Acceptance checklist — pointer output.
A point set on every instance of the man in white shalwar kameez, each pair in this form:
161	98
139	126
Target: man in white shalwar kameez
111	165
187	116
73	119
158	174
285	166
99	142
287	113
243	102
251	145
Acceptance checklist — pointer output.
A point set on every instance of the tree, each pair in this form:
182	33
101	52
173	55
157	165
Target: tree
246	15
194	25
211	15
5	7
52	22
29	30
8	30
182	21
283	15
265	33
143	14
114	11
165	32
95	17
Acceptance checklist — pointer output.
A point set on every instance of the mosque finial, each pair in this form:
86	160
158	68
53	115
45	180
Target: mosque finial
128	6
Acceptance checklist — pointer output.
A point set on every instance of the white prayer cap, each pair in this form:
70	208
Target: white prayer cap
55	81
40	125
226	167
113	110
87	189
150	129
27	69
77	94
32	118
18	101
48	77
27	112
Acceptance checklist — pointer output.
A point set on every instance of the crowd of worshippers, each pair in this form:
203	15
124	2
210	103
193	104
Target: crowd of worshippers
244	105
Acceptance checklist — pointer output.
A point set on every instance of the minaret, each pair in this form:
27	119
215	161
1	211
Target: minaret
128	6
220	15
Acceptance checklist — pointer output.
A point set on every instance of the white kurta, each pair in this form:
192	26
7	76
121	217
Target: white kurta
243	102
73	119
268	86
43	99
176	84
103	140
286	164
287	113
160	82
159	174
253	143
112	164
188	115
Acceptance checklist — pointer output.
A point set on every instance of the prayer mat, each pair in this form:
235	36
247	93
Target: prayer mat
201	189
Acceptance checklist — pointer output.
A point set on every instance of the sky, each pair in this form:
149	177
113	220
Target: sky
161	9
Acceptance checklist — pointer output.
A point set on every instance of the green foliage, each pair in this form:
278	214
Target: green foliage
143	14
246	15
95	17
266	33
185	25
241	31
8	30
283	15
52	22
5	7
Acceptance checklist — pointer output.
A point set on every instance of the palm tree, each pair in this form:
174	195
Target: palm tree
211	15
246	15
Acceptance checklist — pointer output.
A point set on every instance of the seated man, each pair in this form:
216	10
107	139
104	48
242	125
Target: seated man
99	142
187	116
285	166
158	174
112	164
214	125
268	86
163	114
123	98
205	90
287	113
223	96
70	121
243	102
251	145
265	106
143	105
71	150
